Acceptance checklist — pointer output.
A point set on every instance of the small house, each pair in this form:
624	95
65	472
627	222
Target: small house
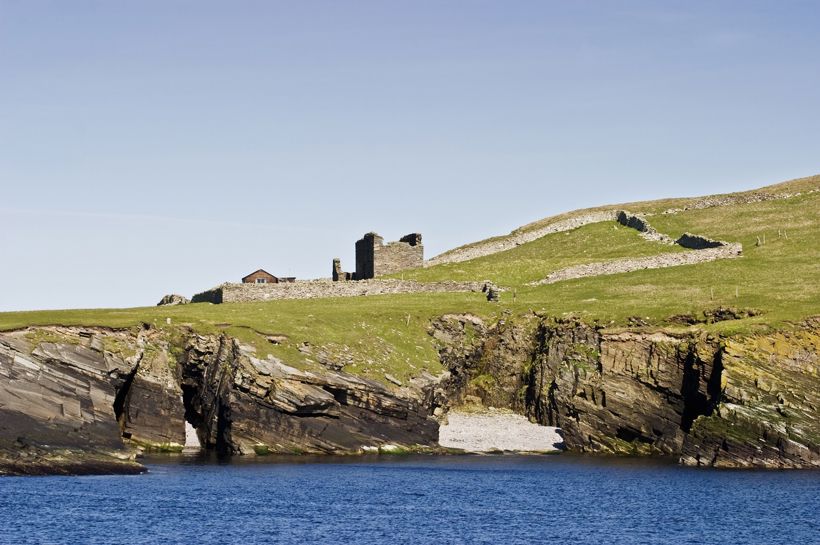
260	277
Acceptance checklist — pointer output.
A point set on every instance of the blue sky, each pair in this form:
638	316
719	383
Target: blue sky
155	147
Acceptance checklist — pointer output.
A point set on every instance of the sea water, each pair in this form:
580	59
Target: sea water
455	499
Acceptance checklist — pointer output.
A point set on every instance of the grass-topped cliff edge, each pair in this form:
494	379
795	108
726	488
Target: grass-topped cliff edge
776	277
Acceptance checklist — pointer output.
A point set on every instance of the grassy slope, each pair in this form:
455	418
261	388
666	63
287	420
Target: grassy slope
388	334
535	260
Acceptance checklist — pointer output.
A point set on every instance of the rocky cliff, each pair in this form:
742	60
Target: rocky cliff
745	401
76	400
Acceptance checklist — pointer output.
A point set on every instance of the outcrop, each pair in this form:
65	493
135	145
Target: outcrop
173	299
80	399
744	401
75	400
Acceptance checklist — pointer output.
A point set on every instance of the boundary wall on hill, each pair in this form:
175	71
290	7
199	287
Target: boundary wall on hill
701	249
315	289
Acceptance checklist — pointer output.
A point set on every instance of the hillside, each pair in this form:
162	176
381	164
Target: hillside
767	295
373	335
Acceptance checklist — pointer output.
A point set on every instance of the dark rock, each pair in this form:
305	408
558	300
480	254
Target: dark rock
57	409
173	299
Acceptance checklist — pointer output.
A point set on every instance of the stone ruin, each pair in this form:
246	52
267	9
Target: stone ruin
375	258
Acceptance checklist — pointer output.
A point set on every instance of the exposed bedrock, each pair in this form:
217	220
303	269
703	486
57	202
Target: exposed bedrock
245	405
57	406
707	400
75	400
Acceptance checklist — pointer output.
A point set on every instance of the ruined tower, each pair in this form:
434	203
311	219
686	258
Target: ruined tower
375	258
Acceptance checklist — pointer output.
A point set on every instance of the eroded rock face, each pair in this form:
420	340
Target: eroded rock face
768	415
250	405
74	400
622	393
709	401
57	406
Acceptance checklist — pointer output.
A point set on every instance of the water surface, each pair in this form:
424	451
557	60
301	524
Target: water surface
498	499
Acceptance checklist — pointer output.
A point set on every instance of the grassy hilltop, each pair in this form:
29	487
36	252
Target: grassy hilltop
375	335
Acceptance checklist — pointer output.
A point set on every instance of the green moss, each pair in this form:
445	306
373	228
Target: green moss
158	448
39	336
261	449
119	347
484	382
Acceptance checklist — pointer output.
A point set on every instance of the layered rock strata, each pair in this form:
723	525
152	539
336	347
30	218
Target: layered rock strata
81	400
76	400
740	402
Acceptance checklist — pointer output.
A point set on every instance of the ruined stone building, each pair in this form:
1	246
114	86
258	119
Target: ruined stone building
375	258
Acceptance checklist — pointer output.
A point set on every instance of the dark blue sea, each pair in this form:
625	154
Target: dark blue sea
501	499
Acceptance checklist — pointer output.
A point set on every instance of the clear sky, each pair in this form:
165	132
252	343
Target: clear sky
151	147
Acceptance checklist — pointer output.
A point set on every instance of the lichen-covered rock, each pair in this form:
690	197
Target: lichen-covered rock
769	411
173	299
739	402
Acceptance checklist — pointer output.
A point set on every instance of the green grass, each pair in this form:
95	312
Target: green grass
535	260
371	336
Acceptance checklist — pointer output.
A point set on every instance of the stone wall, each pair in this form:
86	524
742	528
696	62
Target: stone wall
640	224
660	261
339	275
697	242
520	236
703	250
315	289
517	238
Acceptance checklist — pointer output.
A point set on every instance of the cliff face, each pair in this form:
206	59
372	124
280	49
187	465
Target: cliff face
76	400
743	402
57	406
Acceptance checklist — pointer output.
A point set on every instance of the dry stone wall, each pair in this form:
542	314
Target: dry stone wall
617	266
516	238
493	246
315	289
702	250
640	224
697	242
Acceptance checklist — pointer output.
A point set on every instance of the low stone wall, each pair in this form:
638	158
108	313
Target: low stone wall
703	249
640	224
493	246
749	197
697	242
315	289
617	266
